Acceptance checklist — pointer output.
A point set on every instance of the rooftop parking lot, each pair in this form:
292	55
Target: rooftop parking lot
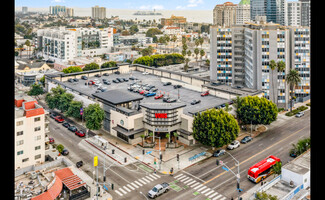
185	95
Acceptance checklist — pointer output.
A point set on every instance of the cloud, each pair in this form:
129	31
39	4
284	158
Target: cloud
151	7
57	1
190	4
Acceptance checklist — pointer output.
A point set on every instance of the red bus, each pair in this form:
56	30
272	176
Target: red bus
262	169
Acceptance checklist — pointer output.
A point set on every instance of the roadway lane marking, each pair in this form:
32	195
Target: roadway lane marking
184	179
223	198
255	155
210	171
156	175
132	188
198	187
217	197
188	180
203	192
193	176
149	178
122	190
144	181
152	176
260	144
202	188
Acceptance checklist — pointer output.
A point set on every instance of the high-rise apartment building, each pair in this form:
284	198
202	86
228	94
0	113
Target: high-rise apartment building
224	14
243	12
250	49
65	44
305	12
69	12
57	10
98	12
24	10
30	130
294	13
274	10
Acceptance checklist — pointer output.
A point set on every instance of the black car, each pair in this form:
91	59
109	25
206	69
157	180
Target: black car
167	83
66	124
65	152
105	74
120	80
177	86
115	81
293	153
72	128
153	90
246	139
79	164
98	75
195	102
126	80
84	77
107	82
117	72
132	78
75	80
70	80
219	152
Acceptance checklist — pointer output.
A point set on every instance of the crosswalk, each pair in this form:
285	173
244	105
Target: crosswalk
199	187
136	184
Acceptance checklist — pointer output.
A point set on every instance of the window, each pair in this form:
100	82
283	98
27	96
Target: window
20	152
20	133
37	147
37	137
37	119
37	128
25	160
19	123
38	156
20	142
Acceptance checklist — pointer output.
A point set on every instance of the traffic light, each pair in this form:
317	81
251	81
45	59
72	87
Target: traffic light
217	162
143	151
112	186
177	156
160	156
104	179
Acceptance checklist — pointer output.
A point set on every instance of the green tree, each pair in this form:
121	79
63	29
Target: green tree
27	43
215	128
187	60
53	97
196	52
256	110
189	53
293	79
276	168
175	136
174	39
301	146
133	29
42	80
91	66
264	196
94	116
273	67
153	31
74	109
60	148
168	136
72	69
108	64
35	90
142	137
202	53
64	102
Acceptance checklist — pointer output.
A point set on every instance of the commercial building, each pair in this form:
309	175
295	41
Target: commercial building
24	10
224	14
275	11
173	21
98	12
241	55
65	44
305	12
31	127
69	12
294	13
243	12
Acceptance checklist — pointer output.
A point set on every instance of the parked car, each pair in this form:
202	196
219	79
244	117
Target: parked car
206	93
158	190
80	133
91	82
150	94
167	83
293	153
125	79
105	74
107	82
59	119
171	100
66	124
84	77
233	145
79	164
75	80
165	99
153	89
195	102
51	140
246	139
300	114
145	73
120	80
223	105
219	152
159	96
65	152
117	72
98	75
53	115
115	81
72	128
177	86
70	80
132	78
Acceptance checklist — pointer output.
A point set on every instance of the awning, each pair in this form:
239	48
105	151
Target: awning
73	182
127	132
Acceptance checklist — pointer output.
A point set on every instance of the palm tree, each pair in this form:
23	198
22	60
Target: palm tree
142	136
175	135
174	39
167	39
293	79
187	60
272	67
21	46
168	136
276	168
27	43
196	51
201	41
202	53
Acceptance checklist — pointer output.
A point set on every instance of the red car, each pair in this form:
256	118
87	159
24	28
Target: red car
51	140
91	82
59	119
80	133
143	91
159	96
205	93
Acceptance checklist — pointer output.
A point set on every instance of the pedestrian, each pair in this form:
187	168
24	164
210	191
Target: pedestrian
262	183
171	171
155	171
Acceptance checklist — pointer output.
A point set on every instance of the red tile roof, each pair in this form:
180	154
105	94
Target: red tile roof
34	112
52	193
30	105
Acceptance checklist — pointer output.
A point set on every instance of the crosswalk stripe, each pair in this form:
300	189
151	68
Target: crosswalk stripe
179	175
156	175
152	176
118	193
188	180
209	193
201	188
214	194
138	183
127	188
197	187
132	188
149	178
183	176
134	185
184	179
223	198
195	184
190	183
203	192
143	180
217	197
122	190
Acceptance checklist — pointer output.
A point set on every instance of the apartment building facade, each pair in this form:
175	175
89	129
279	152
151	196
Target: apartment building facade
30	131
305	12
243	12
65	44
224	14
250	49
294	13
98	12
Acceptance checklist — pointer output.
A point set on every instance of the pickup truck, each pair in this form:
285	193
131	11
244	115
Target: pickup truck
158	190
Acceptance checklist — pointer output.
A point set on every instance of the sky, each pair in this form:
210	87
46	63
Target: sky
127	4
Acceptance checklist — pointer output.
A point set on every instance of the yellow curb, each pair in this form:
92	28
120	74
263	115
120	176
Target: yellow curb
137	157
164	172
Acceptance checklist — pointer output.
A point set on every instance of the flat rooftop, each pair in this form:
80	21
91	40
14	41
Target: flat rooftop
115	92
300	165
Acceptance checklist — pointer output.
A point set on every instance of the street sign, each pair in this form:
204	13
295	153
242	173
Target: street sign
104	186
81	111
95	161
225	168
149	152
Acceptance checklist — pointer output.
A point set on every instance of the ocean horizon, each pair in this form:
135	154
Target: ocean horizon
199	16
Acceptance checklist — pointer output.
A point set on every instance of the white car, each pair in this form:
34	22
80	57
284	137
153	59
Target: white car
233	145
145	73
300	114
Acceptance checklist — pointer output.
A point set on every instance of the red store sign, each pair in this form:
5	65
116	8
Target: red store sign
161	115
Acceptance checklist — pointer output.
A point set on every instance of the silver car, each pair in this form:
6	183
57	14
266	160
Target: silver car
233	145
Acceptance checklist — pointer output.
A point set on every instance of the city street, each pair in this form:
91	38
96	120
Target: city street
203	180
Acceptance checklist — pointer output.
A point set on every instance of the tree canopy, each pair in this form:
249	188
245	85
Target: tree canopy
153	31
72	69
160	60
91	66
94	116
